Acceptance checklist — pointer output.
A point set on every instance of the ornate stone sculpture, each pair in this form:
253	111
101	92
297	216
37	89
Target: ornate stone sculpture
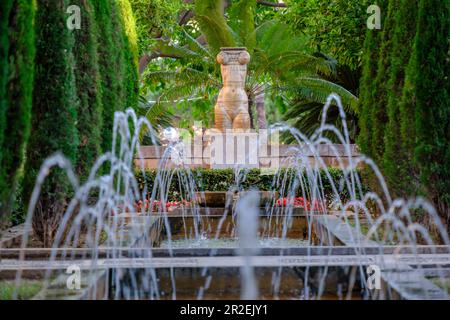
231	110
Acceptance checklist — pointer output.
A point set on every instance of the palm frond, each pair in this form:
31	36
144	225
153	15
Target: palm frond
209	16
163	48
182	75
242	21
158	116
275	37
196	46
305	109
306	117
290	63
318	90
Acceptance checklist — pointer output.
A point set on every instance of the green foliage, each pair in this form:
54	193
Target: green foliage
158	117
18	43
405	113
27	290
245	13
280	63
54	114
109	57
367	98
130	53
5	8
378	115
225	180
117	52
88	84
305	112
396	162
155	18
334	27
432	112
209	16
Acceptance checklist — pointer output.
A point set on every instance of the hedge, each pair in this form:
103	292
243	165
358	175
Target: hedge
224	180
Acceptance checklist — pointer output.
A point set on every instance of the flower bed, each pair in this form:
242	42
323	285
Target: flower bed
300	202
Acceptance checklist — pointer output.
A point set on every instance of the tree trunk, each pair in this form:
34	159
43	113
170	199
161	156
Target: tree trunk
250	110
261	108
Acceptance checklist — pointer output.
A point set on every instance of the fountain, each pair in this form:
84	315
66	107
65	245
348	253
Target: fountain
313	235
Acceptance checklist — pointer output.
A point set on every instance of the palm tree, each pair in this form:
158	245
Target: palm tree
305	113
280	61
158	116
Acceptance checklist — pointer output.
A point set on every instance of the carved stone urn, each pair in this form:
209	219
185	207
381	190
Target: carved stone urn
231	110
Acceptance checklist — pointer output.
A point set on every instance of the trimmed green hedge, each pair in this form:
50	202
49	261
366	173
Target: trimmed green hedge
224	179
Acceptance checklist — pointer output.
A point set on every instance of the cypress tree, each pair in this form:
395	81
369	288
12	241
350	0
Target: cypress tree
397	168
130	53
378	112
88	83
15	93
5	9
367	99
110	65
118	61
432	112
54	115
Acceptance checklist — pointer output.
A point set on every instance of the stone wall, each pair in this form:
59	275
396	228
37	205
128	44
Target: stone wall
276	156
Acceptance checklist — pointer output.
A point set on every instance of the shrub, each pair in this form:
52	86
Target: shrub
224	180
